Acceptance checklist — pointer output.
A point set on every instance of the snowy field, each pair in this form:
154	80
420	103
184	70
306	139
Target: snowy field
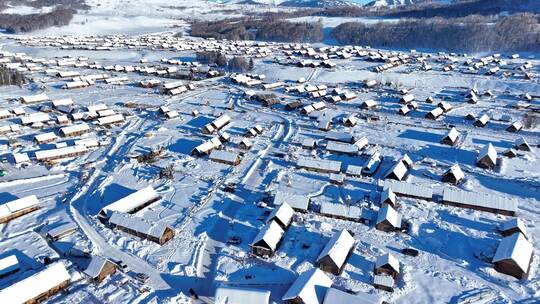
217	209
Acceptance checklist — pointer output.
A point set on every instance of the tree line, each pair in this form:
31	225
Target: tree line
15	23
519	32
236	63
11	77
266	29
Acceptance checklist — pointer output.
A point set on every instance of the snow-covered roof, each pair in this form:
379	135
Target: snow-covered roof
456	171
95	108
82	127
221	121
479	200
33	118
296	201
452	135
137	224
283	212
338	247
514	223
9	264
35	98
131	202
516	248
319	164
58	153
383	280
339	136
408	189
387	259
35	285
271	234
339	147
488	151
95	266
223	156
240	295
341	210
110	119
310	287
388	194
62	102
389	214
62	229
18	205
44	137
398	169
336	296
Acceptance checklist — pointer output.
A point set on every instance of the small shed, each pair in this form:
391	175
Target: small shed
451	138
398	171
267	240
334	255
487	158
388	219
282	214
514	256
309	288
522	144
482	121
515	127
454	175
368	104
99	269
387	264
350	121
388	197
512	226
435	113
383	282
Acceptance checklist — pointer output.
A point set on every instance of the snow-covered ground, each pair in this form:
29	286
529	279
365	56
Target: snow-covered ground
455	244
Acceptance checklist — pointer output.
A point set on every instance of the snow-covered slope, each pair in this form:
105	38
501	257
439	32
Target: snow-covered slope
379	3
295	3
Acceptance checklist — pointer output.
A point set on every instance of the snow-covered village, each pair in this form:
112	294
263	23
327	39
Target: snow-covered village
146	156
